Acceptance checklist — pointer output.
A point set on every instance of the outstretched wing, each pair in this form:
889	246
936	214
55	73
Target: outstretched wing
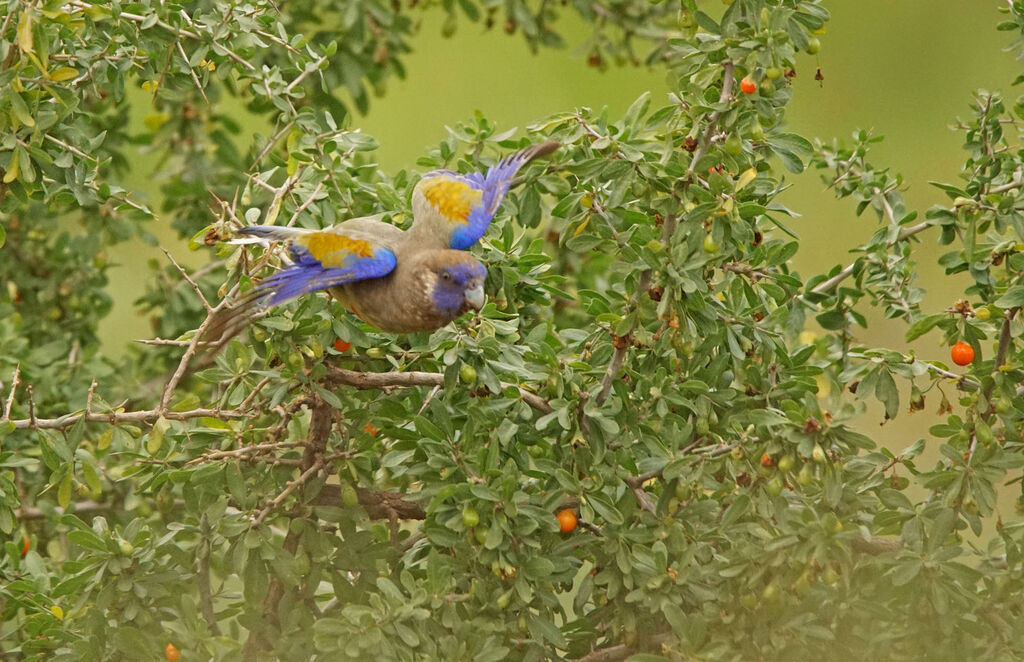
458	207
322	259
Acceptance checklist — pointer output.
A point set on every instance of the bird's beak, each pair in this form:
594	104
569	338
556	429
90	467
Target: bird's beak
475	296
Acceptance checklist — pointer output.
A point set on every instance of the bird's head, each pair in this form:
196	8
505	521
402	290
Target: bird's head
455	282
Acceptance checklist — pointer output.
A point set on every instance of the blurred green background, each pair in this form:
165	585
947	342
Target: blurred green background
904	70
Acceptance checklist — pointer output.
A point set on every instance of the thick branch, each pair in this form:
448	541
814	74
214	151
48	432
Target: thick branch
320	423
622	651
113	418
377	504
372	380
34	512
876	546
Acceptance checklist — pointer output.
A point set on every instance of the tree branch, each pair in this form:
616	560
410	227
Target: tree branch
203	578
374	380
188	279
113	418
622	651
847	271
10	396
377	504
728	77
320	423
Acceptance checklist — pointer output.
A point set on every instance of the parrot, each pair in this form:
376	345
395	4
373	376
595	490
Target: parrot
396	280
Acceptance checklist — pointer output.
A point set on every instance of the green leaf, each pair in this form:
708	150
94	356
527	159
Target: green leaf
156	435
923	325
64	491
538	568
736	510
20	109
605	508
1013	298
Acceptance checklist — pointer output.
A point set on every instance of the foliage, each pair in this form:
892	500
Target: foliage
323	491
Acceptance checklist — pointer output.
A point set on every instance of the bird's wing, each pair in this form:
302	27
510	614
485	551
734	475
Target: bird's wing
465	204
324	259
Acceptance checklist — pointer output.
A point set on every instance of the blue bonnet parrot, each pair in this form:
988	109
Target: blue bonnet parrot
396	280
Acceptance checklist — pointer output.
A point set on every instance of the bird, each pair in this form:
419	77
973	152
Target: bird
399	281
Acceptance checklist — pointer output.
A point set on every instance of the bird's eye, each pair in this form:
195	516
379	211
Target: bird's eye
446	276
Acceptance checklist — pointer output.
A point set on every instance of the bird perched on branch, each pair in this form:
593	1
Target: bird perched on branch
400	281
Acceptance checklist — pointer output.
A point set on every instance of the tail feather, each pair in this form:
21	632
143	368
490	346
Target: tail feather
264	233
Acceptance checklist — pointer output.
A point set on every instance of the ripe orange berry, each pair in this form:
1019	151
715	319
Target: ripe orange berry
172	653
370	429
962	353
566	520
24	547
767	460
342	345
748	85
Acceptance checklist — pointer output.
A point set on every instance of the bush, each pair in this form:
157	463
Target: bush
323	491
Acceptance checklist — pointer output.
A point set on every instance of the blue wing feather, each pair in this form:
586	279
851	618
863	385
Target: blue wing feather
309	274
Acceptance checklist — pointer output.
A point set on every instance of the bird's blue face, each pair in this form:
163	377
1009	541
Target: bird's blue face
458	287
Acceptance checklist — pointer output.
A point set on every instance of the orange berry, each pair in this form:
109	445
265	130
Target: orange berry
24	547
370	429
962	353
767	460
342	345
748	85
172	653
567	520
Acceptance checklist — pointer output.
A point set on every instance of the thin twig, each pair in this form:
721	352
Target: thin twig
847	271
305	205
31	408
166	342
88	400
246	450
195	286
195	78
968	383
430	396
15	380
305	72
190	352
271	142
318	464
727	81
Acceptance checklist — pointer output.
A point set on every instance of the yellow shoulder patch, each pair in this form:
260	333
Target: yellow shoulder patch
322	244
454	199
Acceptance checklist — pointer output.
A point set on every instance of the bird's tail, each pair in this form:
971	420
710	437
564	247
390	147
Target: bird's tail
261	234
229	321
